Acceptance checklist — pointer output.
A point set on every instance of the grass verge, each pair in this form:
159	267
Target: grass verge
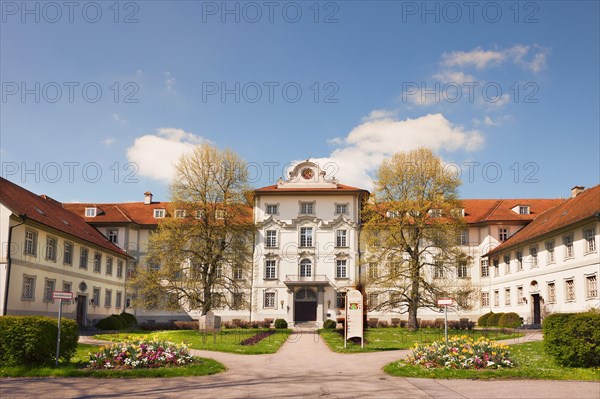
386	339
224	341
76	368
532	363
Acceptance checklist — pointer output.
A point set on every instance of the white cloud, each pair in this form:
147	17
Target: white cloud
454	77
108	141
156	154
379	114
528	57
477	57
373	140
493	122
120	120
169	81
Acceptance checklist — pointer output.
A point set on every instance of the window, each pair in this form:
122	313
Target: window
570	289
220	214
180	213
305	268
67	286
306	237
463	301
237	300
392	214
108	298
271	238
113	236
269	300
533	254
373	270
118	299
503	234
438	270
83	258
590	240
551	292
96	297
119	268
496	268
90	212
395	268
219	270
341	270
48	289
519	260
496	298
109	265
485	268
435	213
199	214
520	297
507	296
30	242
550	252
51	248
155	267
341	209
68	254
568	240
238	273
270	270
395	299
28	290
307	208
217	300
524	210
485	299
97	262
340	299
340	238
373	300
464	237
159	213
462	270
507	264
272	209
591	286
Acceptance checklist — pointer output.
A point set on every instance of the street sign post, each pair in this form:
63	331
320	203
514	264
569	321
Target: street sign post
445	302
354	317
60	295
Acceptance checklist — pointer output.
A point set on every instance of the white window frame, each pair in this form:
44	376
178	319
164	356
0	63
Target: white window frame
113	236
118	299
306	240
180	213
520	295
462	271
307	207
120	267
519	257
464	237
506	259
272	209
30	247
24	288
373	300
341	209
485	299
589	236
341	238
51	247
550	252
503	232
485	268
97	262
49	283
340	299
270	269
341	268
533	255
591	286
159	213
91	212
238	273
496	298
68	253
507	296
83	265
96	298
551	291
271	238
373	270
109	266
270	300
570	280
569	246
523	210
305	268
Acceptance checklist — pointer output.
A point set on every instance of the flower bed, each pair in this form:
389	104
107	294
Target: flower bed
256	338
462	353
139	354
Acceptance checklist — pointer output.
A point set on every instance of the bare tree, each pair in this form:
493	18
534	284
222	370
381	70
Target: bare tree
412	229
200	255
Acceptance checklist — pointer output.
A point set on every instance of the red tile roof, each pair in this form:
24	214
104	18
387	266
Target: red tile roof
585	205
339	188
49	212
497	210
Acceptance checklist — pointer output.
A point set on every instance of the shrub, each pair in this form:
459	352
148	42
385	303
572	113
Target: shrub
372	323
112	322
573	339
329	324
453	324
383	324
494	319
31	340
140	354
187	325
462	353
255	324
281	323
266	323
509	320
157	326
130	319
395	322
482	321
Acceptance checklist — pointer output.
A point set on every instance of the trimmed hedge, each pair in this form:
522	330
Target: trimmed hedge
573	339
31	340
281	323
130	319
112	322
482	321
510	320
494	320
329	324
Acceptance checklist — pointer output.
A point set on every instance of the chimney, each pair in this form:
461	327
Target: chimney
575	191
147	198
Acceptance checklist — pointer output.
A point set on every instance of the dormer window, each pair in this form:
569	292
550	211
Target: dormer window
392	214
159	213
220	214
199	214
91	212
180	213
458	212
523	210
435	213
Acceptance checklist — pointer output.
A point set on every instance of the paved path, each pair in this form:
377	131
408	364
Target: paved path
303	367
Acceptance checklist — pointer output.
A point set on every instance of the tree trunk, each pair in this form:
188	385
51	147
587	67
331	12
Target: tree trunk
413	303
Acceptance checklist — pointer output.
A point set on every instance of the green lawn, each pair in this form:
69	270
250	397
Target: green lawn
386	339
531	363
225	341
75	368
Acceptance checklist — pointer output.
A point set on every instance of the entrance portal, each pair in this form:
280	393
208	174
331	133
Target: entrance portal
305	305
81	309
537	320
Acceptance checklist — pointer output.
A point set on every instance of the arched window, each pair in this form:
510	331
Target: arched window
305	268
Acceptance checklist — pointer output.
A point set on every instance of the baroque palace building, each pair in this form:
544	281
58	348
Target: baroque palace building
529	256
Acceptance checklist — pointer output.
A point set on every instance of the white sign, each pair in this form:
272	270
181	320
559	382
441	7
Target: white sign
62	295
354	315
445	302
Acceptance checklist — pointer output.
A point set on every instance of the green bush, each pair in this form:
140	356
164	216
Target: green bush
329	324
510	320
482	321
281	323
494	320
573	339
130	319
112	322
31	340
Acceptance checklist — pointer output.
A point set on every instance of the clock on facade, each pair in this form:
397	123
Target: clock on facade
307	173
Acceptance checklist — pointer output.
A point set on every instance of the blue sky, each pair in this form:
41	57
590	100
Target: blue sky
505	92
